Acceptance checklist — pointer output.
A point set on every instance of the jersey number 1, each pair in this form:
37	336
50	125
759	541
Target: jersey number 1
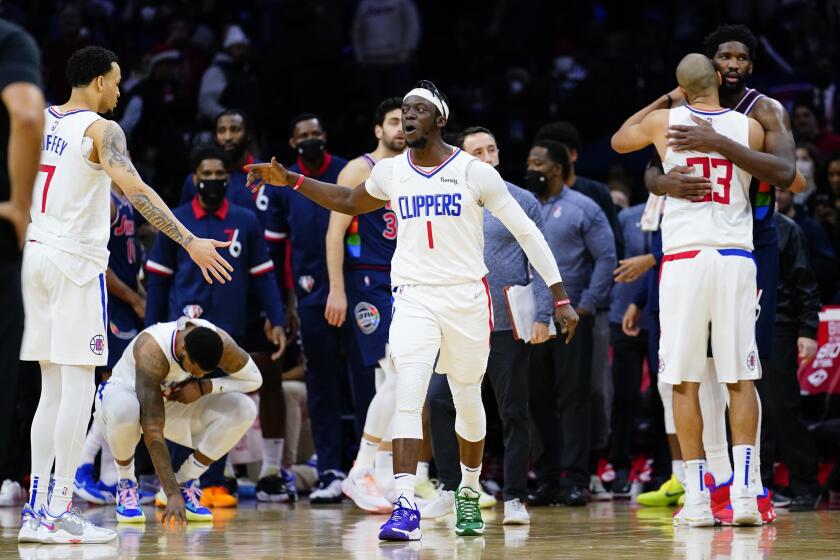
429	233
50	171
706	164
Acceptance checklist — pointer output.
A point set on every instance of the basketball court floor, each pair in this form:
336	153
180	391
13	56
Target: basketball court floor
603	531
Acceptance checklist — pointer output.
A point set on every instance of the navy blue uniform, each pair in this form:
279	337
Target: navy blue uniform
370	242
124	261
176	286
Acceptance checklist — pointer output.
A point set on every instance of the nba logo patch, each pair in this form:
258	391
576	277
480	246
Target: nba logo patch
661	365
306	283
97	344
557	211
752	361
193	311
367	317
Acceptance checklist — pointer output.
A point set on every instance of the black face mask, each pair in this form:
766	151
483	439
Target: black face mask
311	149
212	193
535	182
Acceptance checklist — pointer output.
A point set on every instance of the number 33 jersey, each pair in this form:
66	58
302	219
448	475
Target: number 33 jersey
724	218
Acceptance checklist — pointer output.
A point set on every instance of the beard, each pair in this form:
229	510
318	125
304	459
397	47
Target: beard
238	151
419	143
394	146
734	87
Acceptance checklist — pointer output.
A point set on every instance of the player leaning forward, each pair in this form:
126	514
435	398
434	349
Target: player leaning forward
708	276
441	299
63	278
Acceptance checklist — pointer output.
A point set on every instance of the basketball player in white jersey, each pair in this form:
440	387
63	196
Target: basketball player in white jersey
158	387
441	298
375	446
707	248
63	277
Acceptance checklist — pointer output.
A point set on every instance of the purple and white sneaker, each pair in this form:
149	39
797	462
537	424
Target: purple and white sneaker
404	523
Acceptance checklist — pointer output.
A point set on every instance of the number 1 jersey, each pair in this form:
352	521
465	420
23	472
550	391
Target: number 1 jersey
723	219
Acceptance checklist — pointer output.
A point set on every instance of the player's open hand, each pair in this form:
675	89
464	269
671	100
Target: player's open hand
700	138
175	510
336	310
567	319
203	252
260	174
681	182
277	336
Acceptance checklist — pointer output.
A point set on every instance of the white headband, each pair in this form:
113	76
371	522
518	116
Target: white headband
431	98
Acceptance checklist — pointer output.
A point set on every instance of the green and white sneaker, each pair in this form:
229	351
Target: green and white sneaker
468	521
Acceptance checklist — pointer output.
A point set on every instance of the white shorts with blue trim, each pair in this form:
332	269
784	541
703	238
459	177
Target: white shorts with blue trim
65	323
701	289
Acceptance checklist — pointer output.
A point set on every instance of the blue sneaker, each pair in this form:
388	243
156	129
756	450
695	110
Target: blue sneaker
192	499
404	524
86	487
128	503
290	480
108	492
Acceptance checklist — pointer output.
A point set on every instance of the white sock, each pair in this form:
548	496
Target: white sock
743	456
126	472
93	441
469	477
38	491
272	454
190	470
678	470
366	457
422	471
694	472
718	459
62	495
383	468
107	467
404	486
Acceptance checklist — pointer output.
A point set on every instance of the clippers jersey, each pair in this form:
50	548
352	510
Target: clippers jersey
71	204
724	218
372	238
125	372
440	219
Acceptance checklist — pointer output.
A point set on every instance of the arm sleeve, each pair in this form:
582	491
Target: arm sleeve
261	269
160	266
378	183
245	380
493	193
597	236
213	84
542	295
802	280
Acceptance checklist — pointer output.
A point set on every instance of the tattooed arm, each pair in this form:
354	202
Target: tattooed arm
111	151
152	369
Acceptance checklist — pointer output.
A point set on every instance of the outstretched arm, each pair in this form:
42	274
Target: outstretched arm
109	141
332	197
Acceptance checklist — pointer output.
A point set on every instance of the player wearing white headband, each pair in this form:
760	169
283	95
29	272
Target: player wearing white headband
441	298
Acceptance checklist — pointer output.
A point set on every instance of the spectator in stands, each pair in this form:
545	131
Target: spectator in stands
808	129
71	36
808	163
827	204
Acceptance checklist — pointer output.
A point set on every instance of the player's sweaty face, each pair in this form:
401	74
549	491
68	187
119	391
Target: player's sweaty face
418	119
732	60
110	89
230	132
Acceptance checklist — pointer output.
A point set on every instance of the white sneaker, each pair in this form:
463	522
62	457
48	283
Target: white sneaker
329	488
515	513
12	493
444	504
30	522
71	527
697	511
362	489
485	500
744	506
597	491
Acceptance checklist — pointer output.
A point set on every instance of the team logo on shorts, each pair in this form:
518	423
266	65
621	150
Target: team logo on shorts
367	317
306	283
661	365
193	311
97	344
752	361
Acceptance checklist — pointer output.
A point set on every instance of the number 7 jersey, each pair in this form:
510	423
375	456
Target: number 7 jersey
724	218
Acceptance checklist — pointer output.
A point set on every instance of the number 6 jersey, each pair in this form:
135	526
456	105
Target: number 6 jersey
723	219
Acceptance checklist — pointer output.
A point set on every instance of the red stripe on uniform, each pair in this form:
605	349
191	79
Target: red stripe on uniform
429	232
676	257
489	304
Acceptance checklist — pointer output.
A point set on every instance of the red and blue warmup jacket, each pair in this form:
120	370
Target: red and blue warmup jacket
176	286
307	224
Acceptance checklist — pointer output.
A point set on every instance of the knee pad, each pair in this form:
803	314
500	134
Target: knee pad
666	393
412	382
470	420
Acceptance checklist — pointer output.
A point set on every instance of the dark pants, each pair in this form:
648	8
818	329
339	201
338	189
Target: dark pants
11	332
779	392
560	385
362	379
629	353
507	368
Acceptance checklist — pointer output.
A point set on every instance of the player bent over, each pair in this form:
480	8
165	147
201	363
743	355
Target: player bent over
158	387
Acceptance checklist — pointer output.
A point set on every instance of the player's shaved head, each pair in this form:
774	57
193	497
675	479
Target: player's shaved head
696	74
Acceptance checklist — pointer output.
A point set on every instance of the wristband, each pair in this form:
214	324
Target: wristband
562	302
299	182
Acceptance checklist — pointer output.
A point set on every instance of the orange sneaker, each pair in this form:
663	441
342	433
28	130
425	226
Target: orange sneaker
217	497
